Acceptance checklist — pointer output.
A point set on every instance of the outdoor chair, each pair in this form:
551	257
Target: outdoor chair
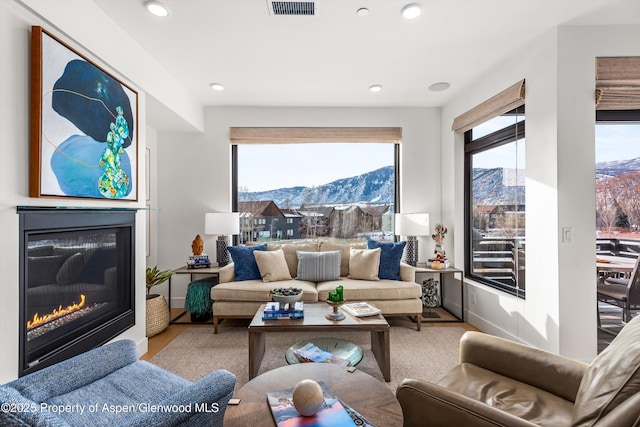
621	292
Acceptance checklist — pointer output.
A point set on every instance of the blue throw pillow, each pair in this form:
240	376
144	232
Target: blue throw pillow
390	256
244	263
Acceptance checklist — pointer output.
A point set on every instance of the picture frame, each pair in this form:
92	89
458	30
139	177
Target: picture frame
83	126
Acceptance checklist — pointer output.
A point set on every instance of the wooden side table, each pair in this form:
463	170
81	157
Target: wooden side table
213	271
370	397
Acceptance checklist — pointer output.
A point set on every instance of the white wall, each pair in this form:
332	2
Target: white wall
559	312
194	173
15	30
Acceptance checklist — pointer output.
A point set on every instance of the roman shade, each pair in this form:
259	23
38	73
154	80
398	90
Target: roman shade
507	100
618	83
297	135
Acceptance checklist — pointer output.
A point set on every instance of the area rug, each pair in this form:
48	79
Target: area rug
197	351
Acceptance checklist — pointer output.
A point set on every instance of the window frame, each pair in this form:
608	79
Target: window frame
509	134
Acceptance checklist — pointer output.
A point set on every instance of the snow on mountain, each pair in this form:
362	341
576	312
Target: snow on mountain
376	187
498	186
616	167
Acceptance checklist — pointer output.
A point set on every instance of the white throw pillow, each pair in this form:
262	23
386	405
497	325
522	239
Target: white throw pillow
272	265
364	264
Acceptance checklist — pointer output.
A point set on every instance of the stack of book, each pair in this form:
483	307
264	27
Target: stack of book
311	353
198	261
273	311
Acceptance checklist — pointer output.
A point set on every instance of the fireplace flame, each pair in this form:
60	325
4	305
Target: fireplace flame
55	314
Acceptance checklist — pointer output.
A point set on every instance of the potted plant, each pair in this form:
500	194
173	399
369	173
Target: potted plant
158	314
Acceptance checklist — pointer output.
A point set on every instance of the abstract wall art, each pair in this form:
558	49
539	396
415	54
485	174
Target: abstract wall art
83	141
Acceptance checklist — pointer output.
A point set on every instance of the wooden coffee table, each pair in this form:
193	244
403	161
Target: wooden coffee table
371	398
315	320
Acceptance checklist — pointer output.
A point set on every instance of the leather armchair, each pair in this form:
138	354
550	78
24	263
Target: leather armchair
502	383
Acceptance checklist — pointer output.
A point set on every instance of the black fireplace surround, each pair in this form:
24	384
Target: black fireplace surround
77	281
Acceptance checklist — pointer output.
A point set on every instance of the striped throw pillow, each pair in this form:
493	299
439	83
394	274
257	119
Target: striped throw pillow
318	266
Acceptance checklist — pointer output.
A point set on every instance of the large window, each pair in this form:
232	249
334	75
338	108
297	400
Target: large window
297	191
618	182
495	202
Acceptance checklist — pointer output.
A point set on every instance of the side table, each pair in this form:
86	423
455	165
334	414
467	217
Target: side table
213	271
443	273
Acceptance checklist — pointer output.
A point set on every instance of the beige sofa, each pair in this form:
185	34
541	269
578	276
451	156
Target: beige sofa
241	299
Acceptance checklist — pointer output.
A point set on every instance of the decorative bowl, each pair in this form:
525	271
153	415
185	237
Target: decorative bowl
286	295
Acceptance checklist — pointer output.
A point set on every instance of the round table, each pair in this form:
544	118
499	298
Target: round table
370	397
338	347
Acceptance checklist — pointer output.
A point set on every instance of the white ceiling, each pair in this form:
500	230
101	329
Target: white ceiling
332	58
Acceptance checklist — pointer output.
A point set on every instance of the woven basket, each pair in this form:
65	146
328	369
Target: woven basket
157	315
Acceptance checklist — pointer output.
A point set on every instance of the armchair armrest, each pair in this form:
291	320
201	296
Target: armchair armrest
227	274
202	403
442	407
407	272
547	371
77	371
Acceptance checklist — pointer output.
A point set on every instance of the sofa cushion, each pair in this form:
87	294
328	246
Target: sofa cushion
612	377
364	264
318	266
257	290
345	253
272	265
131	388
389	258
244	262
290	254
522	400
368	290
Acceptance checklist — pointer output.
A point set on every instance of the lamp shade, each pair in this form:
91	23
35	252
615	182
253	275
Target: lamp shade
222	223
412	224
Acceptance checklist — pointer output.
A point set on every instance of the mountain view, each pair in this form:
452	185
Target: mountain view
616	167
498	186
493	186
375	187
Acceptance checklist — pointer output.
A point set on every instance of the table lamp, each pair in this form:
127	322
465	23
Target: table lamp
223	224
412	225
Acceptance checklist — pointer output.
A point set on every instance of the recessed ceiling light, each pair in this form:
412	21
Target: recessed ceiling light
440	86
216	86
363	11
375	88
411	11
156	8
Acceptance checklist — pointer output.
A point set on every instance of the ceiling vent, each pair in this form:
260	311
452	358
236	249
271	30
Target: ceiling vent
292	7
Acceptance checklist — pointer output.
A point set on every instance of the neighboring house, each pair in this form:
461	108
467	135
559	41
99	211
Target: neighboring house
353	220
291	226
260	220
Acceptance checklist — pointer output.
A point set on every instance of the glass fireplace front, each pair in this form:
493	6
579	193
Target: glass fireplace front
76	282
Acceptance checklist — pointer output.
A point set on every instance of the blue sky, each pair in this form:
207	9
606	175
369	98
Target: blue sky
617	142
613	142
269	167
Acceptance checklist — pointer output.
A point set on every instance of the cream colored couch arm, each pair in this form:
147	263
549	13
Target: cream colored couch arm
427	404
407	272
227	274
538	368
